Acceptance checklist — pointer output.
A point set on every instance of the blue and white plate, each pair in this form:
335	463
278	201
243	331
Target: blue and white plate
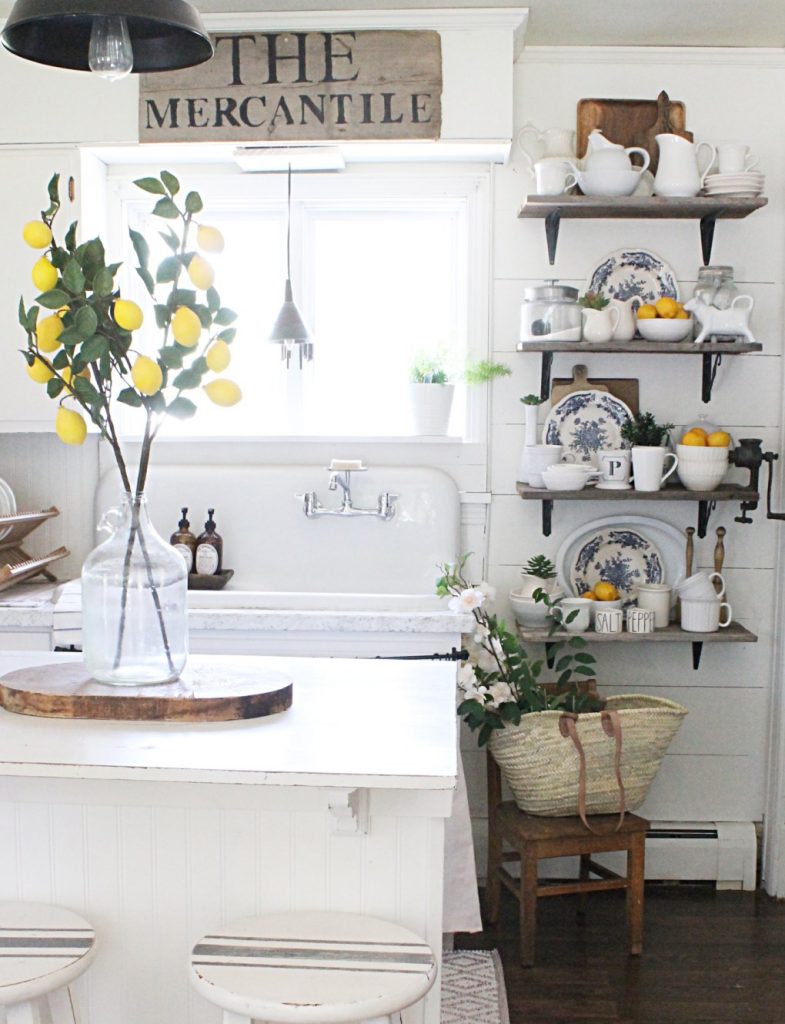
586	422
633	273
625	551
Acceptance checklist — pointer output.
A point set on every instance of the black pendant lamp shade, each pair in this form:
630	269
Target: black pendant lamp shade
165	34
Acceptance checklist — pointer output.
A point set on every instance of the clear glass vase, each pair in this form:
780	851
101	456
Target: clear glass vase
134	602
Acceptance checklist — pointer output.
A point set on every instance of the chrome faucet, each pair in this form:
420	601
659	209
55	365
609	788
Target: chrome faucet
340	476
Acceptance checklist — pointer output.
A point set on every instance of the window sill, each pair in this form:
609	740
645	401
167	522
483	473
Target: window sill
311	439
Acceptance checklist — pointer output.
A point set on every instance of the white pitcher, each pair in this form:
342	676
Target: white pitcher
678	174
555	141
626	325
599	324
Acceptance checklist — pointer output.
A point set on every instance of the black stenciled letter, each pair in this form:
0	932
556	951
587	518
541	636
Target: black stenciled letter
330	55
273	57
235	41
159	117
418	107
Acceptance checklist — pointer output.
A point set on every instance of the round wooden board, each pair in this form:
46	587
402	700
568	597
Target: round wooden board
210	690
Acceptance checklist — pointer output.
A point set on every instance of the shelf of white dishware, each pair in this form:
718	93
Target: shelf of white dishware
644	207
640	346
670	492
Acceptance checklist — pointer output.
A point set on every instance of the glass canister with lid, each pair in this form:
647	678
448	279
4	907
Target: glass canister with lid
550	312
716	287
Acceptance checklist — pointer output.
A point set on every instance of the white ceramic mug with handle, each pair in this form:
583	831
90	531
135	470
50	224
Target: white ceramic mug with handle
553	177
735	158
648	467
563	612
705	616
700	587
615	466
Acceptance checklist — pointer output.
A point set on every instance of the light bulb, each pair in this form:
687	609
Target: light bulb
111	55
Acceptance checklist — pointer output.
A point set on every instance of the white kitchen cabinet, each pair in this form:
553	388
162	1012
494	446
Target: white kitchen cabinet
25	174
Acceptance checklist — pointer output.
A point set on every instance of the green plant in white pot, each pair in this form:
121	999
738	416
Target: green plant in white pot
539	573
432	391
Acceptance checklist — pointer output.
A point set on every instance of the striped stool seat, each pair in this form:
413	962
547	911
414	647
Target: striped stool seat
42	950
312	968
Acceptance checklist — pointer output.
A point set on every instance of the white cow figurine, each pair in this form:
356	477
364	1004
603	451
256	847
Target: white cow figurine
723	323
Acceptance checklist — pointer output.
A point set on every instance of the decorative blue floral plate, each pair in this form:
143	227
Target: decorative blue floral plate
624	550
586	422
633	273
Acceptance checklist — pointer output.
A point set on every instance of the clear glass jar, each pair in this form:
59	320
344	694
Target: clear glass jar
134	602
716	287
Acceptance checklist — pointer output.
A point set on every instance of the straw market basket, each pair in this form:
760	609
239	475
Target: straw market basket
550	757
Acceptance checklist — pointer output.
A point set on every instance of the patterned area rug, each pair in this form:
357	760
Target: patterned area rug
473	988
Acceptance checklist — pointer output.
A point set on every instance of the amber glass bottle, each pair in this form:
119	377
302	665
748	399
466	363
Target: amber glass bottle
209	548
184	541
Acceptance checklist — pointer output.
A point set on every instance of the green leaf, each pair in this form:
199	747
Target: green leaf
73	278
585	670
59	257
193	202
585	659
71	336
228	335
54	387
182	297
172	184
94	348
181	408
141	248
152	185
162	315
85	390
22	313
60	361
147	278
204	315
53	299
225	316
563	663
171	239
32	319
213	300
199	365
577	641
130	397
86	320
70	238
564	678
167	209
187	379
103	283
168	270
94	254
156	402
171	357
53	189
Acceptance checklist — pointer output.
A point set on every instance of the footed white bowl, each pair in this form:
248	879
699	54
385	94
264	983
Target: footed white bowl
529	612
660	329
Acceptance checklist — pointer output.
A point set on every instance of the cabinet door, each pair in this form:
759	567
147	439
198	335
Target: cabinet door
24	176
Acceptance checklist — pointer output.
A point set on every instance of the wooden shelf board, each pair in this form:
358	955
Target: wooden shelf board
645	207
671	492
672	634
640	347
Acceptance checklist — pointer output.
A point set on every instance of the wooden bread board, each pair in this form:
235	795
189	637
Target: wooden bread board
209	690
624	388
631	122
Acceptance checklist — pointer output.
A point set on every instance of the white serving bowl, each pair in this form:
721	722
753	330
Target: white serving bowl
531	583
567	477
609	183
617	603
699	468
529	612
660	329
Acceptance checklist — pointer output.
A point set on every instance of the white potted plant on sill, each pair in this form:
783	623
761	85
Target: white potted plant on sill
431	391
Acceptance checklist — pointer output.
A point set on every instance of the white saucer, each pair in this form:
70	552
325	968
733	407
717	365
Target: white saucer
611	485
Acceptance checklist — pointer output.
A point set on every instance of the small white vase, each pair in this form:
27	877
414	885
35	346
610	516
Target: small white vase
431	405
625	327
529	439
599	325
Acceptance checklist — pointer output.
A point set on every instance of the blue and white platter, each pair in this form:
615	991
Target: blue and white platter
633	274
623	550
586	422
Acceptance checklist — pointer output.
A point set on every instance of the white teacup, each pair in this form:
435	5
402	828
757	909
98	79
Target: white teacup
735	158
552	177
580	622
656	597
699	587
648	467
704	616
615	468
540	456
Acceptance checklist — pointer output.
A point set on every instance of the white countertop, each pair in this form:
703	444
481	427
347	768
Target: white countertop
353	723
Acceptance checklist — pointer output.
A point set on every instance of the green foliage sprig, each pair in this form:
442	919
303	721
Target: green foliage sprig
593	300
484	371
541	567
644	431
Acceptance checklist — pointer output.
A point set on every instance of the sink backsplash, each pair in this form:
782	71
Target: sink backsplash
272	545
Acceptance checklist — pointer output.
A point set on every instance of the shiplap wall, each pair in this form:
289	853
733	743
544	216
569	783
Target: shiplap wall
716	768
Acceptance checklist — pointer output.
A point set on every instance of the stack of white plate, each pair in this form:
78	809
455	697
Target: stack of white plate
745	183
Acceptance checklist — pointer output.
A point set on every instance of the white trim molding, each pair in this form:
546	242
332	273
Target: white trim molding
754	57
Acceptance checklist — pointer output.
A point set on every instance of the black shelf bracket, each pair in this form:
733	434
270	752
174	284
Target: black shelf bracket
711	363
697	651
547	517
707	224
552	225
705	509
546	366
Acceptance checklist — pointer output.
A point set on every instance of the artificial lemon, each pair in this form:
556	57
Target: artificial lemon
695	439
37	234
127	315
70	426
209	239
223	392
666	307
605	591
589	595
44	275
39	372
48	332
699	430
218	357
682	315
186	327
201	273
646	312
147	375
719	439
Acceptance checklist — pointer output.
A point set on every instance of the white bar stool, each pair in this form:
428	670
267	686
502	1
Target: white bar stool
42	950
312	968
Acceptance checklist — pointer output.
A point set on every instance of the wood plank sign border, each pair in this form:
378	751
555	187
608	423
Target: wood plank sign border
300	87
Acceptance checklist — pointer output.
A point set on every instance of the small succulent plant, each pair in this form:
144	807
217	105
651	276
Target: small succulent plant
593	300
541	567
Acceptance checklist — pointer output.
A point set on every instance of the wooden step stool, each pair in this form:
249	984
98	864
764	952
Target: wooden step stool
533	839
44	949
312	968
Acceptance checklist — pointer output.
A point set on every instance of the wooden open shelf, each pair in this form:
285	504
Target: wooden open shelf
672	634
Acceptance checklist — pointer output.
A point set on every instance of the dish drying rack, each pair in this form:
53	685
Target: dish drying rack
16	564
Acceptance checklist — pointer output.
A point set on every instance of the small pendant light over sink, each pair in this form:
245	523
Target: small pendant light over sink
109	37
289	328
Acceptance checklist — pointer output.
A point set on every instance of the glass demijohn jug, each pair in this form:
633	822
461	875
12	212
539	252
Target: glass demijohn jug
134	602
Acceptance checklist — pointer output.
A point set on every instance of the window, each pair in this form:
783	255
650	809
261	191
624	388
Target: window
381	266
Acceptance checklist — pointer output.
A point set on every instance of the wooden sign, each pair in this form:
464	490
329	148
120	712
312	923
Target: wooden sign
300	87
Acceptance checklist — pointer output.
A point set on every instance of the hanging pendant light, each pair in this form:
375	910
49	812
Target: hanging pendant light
289	329
109	37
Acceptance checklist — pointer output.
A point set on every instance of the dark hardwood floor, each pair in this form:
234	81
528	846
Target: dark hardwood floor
709	958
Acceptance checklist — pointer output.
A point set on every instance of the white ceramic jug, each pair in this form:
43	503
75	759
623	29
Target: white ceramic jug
555	141
599	324
626	325
678	174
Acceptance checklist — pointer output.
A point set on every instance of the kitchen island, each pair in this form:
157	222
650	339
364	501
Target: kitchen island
157	832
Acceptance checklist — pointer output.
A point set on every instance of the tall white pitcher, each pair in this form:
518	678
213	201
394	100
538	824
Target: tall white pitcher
678	173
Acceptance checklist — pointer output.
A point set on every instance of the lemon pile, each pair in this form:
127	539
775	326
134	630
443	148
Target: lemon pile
666	308
602	591
697	437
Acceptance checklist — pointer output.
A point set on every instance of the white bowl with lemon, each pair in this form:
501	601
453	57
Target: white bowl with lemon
603	595
703	459
664	320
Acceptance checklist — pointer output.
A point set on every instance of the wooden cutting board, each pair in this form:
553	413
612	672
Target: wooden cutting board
632	122
624	388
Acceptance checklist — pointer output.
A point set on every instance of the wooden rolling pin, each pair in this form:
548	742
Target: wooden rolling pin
690	552
719	555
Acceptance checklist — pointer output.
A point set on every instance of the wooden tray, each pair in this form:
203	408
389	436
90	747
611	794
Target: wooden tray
632	122
211	689
198	581
625	388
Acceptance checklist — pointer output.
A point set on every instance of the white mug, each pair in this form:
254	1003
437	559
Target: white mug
704	616
656	597
640	620
552	177
699	587
540	456
580	623
615	468
735	158
648	467
608	620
